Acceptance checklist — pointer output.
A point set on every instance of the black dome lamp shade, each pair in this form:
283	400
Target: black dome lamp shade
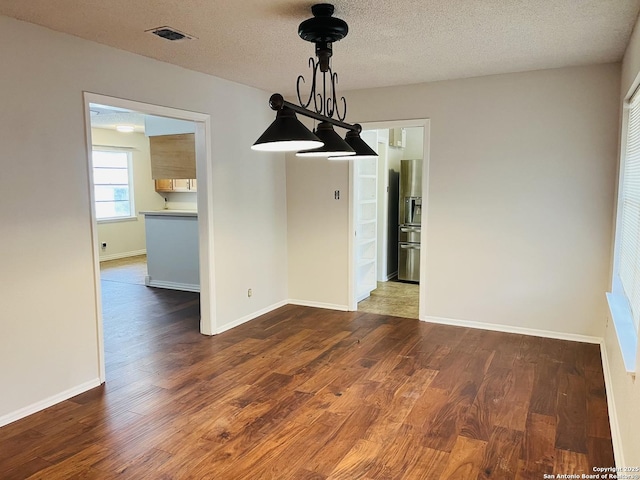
362	149
333	144
286	134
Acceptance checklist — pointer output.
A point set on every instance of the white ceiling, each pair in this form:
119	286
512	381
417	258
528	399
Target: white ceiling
397	42
104	116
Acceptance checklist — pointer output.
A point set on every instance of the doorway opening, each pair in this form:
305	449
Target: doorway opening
388	220
135	214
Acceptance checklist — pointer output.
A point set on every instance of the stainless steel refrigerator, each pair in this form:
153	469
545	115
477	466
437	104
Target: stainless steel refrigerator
410	218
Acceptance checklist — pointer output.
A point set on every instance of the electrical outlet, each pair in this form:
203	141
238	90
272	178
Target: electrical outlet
249	292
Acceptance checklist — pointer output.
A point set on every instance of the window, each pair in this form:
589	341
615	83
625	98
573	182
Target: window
629	203
624	299
113	184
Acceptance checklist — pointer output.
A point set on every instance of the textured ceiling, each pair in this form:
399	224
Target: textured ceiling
103	116
397	42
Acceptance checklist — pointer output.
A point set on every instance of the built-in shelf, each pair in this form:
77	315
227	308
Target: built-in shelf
365	194
366	241
366	261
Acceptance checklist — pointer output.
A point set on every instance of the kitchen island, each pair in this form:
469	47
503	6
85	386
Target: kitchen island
172	249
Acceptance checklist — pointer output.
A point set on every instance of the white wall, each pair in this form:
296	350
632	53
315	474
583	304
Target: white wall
624	391
521	187
414	147
48	337
181	200
317	231
395	155
128	237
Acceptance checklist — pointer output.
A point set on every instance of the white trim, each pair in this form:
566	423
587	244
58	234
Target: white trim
116	256
204	196
426	156
97	289
351	245
205	209
574	337
624	327
48	402
251	316
616	436
329	306
186	287
148	108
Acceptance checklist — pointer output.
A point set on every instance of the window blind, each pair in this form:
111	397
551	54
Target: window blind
629	246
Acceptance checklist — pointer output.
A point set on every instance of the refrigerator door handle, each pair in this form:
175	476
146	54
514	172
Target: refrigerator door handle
414	246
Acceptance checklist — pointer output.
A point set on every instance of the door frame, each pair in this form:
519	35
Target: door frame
420	122
205	209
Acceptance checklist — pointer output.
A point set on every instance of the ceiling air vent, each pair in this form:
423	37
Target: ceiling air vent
170	33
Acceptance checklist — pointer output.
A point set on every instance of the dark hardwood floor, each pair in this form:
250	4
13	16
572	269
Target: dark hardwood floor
304	393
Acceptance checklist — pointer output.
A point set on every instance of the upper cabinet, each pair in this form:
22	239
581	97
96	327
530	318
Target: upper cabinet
176	185
173	156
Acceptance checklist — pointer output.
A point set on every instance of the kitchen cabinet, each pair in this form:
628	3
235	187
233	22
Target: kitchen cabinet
176	185
173	156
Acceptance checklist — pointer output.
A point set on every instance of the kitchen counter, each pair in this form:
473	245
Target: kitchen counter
172	249
174	213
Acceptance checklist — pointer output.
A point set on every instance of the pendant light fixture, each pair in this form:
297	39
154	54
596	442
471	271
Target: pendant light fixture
333	144
287	133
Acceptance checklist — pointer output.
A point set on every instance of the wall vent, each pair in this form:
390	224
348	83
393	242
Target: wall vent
170	33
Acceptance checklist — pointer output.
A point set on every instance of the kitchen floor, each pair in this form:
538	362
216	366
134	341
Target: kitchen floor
394	298
125	270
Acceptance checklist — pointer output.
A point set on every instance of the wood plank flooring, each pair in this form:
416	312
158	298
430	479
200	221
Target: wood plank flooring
303	393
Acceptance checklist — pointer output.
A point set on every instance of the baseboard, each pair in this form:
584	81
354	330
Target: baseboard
116	256
185	287
329	306
616	438
574	337
251	316
48	402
